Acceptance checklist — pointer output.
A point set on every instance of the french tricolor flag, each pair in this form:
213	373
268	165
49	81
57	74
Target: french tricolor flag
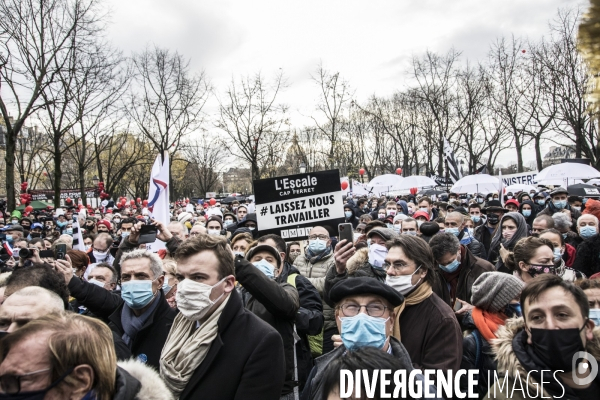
8	248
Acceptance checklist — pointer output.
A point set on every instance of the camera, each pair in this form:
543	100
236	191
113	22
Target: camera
25	253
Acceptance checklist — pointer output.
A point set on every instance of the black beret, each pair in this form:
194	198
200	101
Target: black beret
364	286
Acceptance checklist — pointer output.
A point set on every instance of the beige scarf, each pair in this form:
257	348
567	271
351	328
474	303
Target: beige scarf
185	349
421	293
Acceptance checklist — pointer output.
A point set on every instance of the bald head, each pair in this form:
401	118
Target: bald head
28	304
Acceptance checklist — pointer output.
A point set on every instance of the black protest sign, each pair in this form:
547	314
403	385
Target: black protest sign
290	206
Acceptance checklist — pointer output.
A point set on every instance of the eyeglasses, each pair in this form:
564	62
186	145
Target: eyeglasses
397	267
11	384
373	309
194	233
315	237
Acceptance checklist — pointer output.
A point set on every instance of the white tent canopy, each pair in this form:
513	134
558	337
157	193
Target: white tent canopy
566	174
480	183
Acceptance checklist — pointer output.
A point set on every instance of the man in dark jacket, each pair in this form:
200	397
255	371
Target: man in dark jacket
276	303
456	271
350	215
217	349
484	233
349	295
309	319
141	316
455	223
559	203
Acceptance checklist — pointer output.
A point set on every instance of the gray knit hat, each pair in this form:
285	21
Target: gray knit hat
493	291
385	233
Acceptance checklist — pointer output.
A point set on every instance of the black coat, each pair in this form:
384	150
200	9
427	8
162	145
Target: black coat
475	246
477	355
245	361
587	260
106	305
275	303
309	319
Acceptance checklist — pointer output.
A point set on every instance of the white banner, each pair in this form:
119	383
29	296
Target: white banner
523	178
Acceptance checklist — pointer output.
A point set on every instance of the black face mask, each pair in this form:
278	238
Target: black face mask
556	347
34	395
35	235
493	219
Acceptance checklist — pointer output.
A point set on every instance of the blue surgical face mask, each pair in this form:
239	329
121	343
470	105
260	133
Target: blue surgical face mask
69	231
266	268
397	228
317	246
475	218
454	231
559	204
137	294
587	231
595	315
557	253
363	330
61	224
470	230
453	266
389	226
541	202
124	234
9	238
526	213
513	310
348	214
564	235
412	233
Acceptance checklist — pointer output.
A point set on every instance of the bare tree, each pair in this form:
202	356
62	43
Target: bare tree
168	99
255	122
335	95
36	37
204	159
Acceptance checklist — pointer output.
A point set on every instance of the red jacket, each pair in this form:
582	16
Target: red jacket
569	255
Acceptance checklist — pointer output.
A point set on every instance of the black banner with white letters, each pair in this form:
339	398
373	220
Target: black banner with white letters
290	206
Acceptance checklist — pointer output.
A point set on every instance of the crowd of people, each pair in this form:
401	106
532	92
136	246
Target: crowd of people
504	284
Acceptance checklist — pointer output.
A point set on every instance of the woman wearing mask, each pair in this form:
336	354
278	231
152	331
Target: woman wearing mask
531	257
512	229
495	299
564	253
529	211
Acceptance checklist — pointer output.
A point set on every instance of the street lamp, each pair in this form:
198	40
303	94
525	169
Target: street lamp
302	167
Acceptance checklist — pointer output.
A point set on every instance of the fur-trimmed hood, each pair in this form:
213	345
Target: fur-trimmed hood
357	260
137	381
508	361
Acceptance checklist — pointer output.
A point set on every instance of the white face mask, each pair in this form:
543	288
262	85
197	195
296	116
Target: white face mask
99	256
193	298
377	255
96	282
214	232
402	283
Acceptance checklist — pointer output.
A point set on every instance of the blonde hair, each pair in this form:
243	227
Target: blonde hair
169	266
74	340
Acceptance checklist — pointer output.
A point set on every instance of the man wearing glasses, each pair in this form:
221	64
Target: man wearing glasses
364	314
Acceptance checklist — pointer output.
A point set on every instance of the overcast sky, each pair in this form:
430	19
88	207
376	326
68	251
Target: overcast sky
369	42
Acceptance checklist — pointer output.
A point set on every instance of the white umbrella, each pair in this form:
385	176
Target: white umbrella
520	187
567	173
417	181
384	183
480	183
593	182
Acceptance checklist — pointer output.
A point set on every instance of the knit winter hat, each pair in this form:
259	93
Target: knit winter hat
493	291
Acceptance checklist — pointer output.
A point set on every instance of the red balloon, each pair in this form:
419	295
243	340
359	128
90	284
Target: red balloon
361	171
399	171
212	202
132	202
68	200
28	209
145	203
522	51
139	200
344	185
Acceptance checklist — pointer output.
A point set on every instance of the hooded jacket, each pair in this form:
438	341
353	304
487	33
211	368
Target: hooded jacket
534	211
353	220
136	381
510	368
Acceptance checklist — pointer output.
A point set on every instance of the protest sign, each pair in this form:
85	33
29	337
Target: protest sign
523	178
290	206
